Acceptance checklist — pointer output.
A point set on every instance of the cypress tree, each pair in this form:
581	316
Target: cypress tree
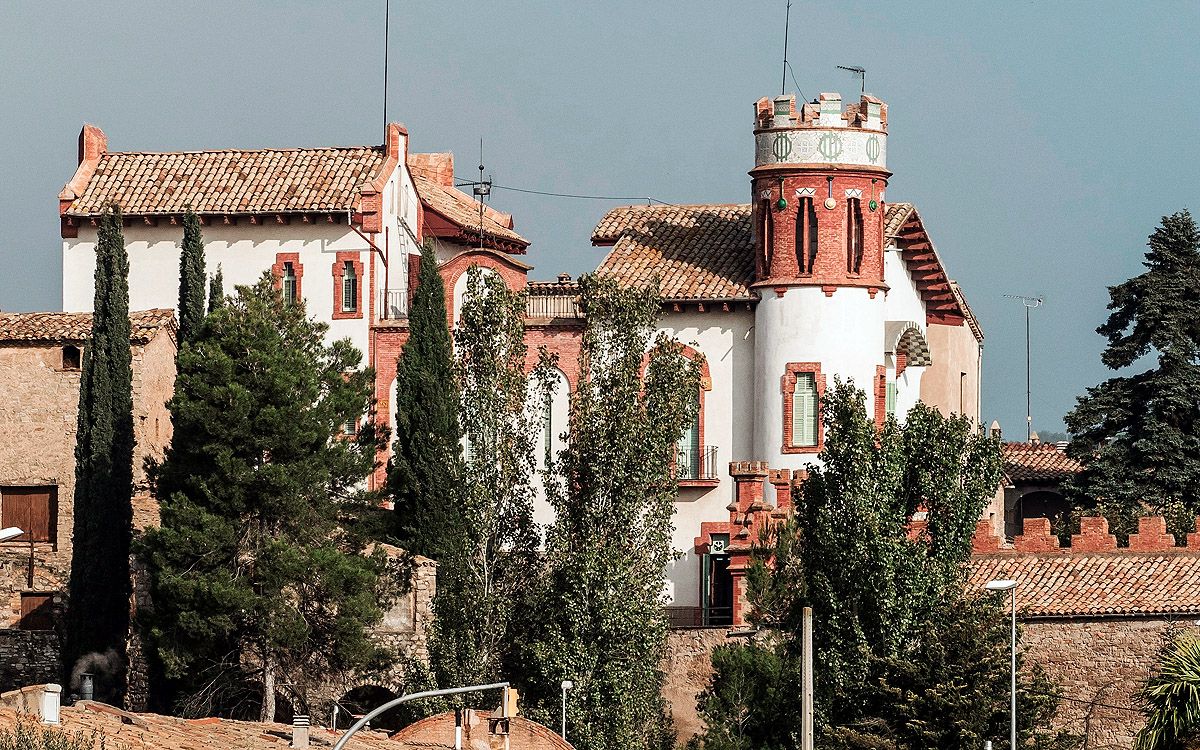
191	278
426	458
98	609
1138	435
216	291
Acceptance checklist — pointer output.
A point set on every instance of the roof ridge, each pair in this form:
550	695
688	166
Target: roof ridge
279	149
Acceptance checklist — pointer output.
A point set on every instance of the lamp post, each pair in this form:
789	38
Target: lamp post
11	532
1011	587
566	685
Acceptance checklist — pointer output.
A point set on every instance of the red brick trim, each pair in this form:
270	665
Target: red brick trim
277	272
339	272
880	396
788	388
901	363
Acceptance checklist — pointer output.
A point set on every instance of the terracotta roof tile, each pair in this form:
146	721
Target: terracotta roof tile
1097	585
230	182
700	252
60	326
1044	462
894	217
463	211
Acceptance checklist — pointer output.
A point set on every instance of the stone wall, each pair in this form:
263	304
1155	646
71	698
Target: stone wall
28	657
687	667
1099	665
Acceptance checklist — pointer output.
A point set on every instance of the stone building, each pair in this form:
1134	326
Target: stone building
40	359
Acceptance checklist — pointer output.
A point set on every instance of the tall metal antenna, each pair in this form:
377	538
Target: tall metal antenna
1029	303
387	17
787	18
860	72
482	190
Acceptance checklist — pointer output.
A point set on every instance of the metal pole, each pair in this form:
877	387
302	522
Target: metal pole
1028	385
1012	737
806	683
353	730
566	685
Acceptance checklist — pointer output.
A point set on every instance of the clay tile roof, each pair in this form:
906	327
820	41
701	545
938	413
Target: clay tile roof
60	326
1044	462
1097	585
463	211
230	181
700	252
894	217
139	731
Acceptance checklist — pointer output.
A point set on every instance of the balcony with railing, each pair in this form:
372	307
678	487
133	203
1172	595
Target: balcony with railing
393	304
553	300
696	465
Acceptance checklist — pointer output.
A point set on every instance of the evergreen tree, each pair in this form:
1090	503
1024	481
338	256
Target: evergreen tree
597	615
216	291
425	465
906	656
1138	435
191	278
494	541
98	609
255	579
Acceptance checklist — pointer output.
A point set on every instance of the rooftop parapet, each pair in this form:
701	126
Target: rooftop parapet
869	113
821	133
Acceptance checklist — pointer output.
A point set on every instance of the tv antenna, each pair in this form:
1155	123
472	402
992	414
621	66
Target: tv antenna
787	17
482	190
387	12
858	71
1030	303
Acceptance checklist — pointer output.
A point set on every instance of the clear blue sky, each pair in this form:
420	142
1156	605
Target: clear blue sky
1041	141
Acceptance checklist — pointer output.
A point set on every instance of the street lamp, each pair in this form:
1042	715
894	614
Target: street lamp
1011	587
11	532
566	685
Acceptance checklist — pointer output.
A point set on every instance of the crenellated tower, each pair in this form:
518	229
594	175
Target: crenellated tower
817	188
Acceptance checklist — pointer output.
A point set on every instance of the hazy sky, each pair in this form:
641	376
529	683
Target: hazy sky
1041	141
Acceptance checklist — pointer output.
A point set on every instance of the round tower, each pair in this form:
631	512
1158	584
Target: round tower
817	186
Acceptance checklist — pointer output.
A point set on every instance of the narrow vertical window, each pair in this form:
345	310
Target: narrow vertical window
854	235
548	431
806	236
891	399
766	232
805	410
687	450
289	282
349	288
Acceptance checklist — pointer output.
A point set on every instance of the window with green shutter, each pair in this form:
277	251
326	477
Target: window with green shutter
891	399
805	410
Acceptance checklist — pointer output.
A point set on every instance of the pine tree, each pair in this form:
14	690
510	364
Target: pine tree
597	615
426	460
907	656
256	580
216	291
98	608
483	574
191	278
1138	435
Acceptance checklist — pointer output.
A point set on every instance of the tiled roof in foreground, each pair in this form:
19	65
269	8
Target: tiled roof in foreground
230	181
698	252
1037	462
463	211
61	326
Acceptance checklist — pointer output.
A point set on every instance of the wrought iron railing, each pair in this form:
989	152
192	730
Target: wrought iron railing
552	306
699	617
393	304
696	462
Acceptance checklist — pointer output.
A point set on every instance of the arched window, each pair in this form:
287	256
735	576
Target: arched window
806	236
767	234
349	288
854	235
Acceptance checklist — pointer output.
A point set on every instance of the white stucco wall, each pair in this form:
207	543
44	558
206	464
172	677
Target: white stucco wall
903	303
843	332
727	342
560	401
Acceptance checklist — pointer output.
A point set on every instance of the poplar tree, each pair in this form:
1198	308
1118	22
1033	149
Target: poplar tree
97	619
426	457
191	278
597	616
216	291
907	657
1138	434
484	573
257	578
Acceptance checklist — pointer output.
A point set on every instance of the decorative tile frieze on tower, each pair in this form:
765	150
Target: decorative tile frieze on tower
818	181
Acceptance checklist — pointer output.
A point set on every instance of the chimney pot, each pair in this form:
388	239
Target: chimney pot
300	731
87	686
